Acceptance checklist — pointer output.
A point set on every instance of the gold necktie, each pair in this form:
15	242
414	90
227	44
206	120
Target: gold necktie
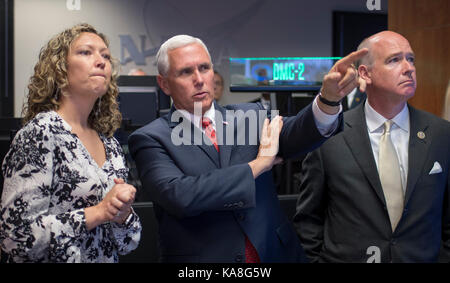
389	171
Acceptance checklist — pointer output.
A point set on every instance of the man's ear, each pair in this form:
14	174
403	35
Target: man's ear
162	82
363	72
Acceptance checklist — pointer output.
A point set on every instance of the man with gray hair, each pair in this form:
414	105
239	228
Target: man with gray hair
215	202
379	190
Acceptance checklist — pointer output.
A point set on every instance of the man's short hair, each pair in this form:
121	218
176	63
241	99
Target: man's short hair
366	60
162	57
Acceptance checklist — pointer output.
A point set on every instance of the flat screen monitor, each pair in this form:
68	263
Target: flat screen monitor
275	74
138	99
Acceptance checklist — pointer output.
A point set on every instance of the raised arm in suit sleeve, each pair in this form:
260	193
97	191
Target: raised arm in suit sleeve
300	134
184	195
311	205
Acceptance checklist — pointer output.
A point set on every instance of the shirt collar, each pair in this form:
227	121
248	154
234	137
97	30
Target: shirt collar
196	120
375	120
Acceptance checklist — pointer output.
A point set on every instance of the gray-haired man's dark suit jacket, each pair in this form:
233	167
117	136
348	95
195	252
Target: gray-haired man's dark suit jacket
207	202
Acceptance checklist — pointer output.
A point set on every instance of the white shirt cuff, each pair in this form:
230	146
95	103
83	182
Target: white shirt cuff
326	124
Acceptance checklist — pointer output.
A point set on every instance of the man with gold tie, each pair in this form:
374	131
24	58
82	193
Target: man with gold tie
379	190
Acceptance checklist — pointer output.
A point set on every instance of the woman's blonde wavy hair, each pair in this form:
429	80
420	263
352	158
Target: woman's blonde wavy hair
50	76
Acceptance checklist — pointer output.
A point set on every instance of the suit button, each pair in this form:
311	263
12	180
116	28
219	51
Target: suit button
393	242
241	216
238	258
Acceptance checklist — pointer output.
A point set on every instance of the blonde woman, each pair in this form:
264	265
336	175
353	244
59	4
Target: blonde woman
65	198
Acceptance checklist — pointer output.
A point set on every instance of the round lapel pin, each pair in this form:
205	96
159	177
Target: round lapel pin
421	135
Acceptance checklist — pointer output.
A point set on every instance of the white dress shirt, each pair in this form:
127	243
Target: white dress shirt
350	97
399	135
196	119
326	124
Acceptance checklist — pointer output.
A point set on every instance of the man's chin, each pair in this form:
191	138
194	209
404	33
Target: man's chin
202	106
206	105
409	94
404	97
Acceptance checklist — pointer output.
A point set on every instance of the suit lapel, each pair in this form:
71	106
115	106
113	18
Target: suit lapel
418	149
194	136
357	139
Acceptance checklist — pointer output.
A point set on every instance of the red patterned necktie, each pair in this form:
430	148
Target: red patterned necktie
209	131
251	255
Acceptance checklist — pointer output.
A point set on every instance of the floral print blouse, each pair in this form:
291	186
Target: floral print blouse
50	178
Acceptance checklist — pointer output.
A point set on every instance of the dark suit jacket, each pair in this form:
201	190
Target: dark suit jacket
206	202
341	210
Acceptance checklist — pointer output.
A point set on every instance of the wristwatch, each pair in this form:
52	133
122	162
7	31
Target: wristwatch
328	102
129	220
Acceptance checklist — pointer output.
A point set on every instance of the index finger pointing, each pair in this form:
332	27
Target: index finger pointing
352	57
